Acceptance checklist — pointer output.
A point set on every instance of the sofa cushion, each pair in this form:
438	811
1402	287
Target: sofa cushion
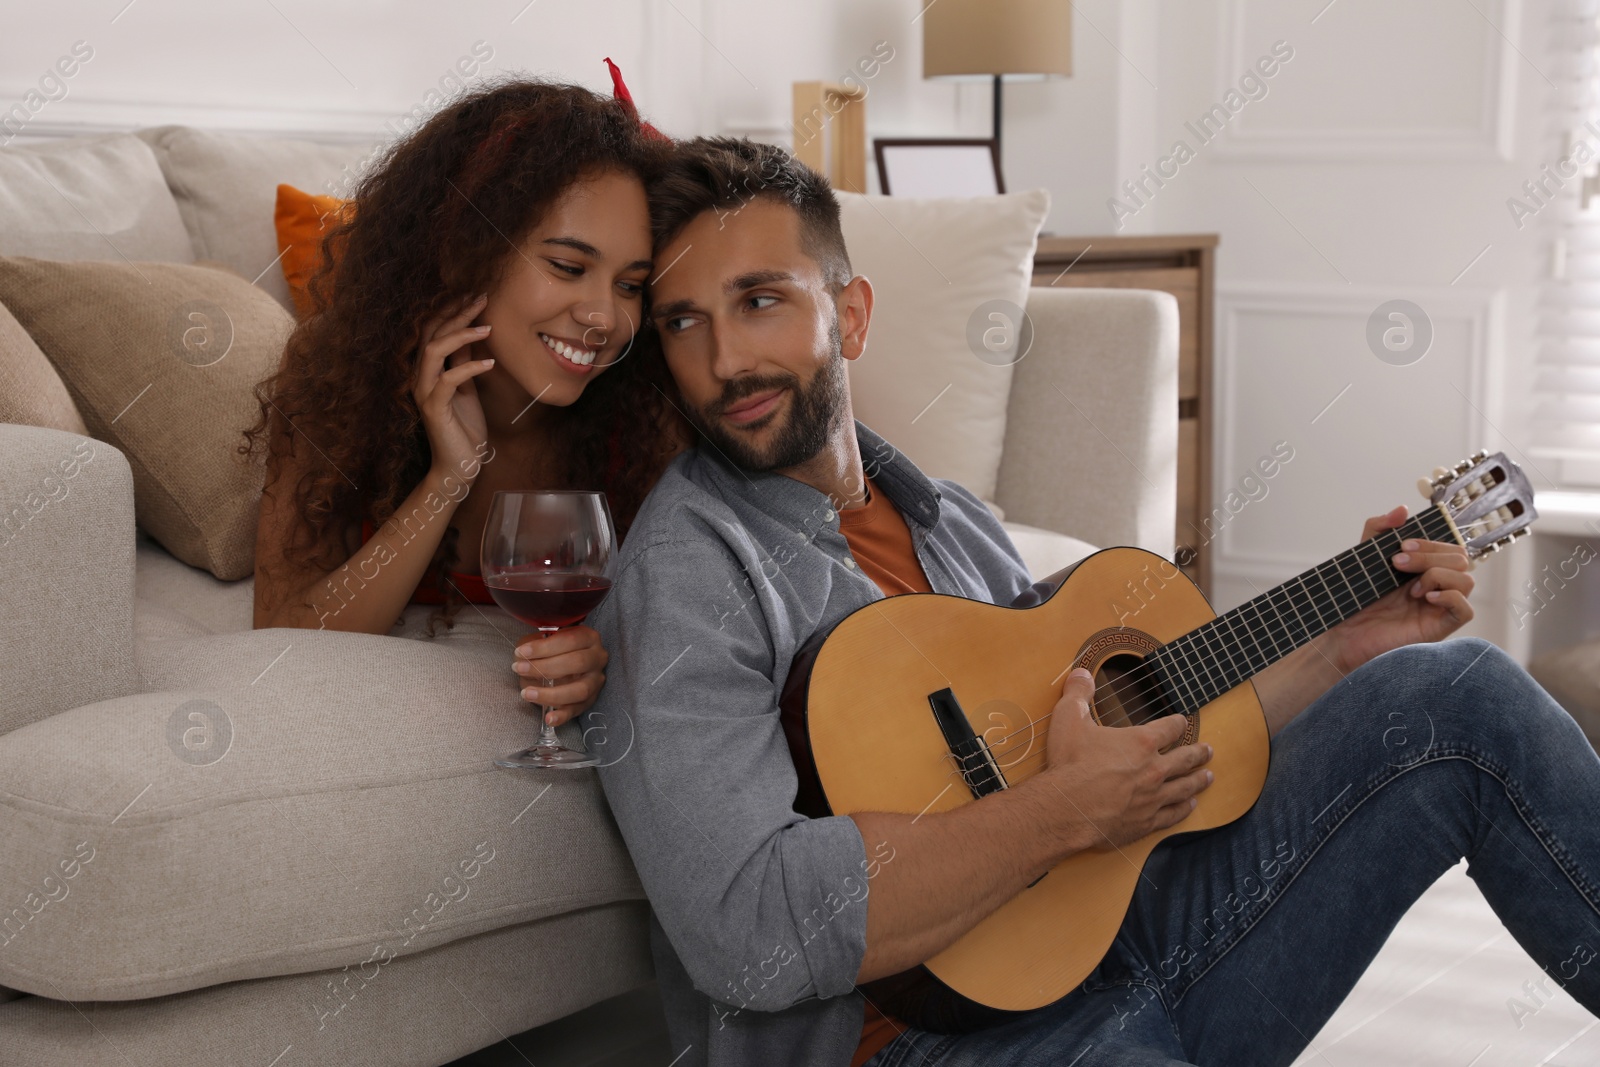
1045	551
318	795
161	359
173	599
415	1011
939	270
226	187
31	392
89	198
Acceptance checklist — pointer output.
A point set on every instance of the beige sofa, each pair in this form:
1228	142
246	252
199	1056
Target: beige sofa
352	881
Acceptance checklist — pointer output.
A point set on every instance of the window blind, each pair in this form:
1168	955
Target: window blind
1565	201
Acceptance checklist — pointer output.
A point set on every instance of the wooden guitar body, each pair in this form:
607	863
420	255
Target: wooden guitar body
877	746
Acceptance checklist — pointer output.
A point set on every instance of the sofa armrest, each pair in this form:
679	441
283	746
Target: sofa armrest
66	573
1091	445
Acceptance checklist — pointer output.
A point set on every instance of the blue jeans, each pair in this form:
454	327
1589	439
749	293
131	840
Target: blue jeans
1241	941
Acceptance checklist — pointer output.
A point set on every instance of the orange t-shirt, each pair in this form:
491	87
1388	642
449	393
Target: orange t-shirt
880	541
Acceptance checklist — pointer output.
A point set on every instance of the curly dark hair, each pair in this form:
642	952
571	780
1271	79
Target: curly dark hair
427	227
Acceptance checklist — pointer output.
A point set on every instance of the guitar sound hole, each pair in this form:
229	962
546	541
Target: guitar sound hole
1125	696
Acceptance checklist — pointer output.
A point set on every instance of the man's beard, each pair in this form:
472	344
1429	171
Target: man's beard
814	413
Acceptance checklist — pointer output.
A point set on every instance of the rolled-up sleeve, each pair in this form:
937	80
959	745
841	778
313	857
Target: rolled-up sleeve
764	907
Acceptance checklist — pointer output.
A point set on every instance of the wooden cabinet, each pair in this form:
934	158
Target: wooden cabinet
1183	266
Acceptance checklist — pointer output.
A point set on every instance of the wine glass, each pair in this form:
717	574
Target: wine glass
544	554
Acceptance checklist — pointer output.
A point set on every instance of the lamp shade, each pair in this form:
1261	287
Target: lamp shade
964	38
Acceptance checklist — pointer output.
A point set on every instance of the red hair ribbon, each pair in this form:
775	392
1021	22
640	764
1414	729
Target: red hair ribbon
619	91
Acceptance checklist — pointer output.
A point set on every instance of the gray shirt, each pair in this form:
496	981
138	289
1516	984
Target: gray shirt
759	914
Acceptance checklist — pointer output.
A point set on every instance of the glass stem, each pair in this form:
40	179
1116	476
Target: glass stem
547	733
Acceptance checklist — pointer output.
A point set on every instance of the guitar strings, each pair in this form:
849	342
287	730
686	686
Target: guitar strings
1190	675
963	764
1146	664
1150	663
1130	681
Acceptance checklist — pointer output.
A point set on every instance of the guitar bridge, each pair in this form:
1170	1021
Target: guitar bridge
978	767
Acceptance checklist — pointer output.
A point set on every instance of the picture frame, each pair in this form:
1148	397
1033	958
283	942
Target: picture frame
938	166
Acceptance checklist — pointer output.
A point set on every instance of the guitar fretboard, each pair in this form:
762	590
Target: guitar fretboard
1211	659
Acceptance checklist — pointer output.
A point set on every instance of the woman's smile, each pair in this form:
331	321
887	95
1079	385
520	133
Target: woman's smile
571	355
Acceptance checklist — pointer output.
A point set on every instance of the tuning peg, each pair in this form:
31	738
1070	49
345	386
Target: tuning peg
1425	487
1505	542
1479	456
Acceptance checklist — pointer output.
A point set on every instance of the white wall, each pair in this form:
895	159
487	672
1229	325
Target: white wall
695	66
339	70
1376	167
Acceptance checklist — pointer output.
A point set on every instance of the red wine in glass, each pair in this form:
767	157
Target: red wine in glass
544	558
548	601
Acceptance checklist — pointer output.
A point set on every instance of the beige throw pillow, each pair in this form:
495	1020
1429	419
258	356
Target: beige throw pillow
936	376
31	392
160	359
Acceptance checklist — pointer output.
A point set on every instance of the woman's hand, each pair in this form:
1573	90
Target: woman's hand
573	660
448	398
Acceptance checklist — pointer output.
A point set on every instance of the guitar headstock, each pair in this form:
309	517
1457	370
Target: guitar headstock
1487	497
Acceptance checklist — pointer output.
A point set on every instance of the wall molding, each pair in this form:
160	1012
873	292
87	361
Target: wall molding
80	116
771	131
1492	138
1482	309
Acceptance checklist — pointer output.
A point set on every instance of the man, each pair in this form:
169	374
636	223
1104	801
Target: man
1393	755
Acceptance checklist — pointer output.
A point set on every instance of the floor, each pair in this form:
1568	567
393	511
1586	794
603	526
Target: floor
1446	991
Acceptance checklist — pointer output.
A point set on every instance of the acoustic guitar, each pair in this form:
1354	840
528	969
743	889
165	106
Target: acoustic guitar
922	702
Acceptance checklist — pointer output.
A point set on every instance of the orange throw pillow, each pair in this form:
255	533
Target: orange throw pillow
302	220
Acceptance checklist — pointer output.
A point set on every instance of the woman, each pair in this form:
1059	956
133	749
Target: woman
468	334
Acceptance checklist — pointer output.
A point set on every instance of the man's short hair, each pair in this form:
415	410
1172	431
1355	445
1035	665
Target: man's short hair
723	174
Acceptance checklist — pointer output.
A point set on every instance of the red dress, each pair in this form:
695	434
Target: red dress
428	592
